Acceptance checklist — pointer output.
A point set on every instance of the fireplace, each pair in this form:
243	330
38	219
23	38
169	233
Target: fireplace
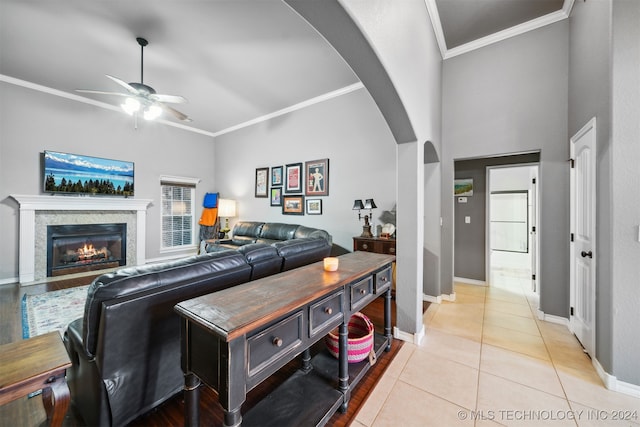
85	247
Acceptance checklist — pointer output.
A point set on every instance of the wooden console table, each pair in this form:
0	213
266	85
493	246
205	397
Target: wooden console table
235	338
375	244
36	363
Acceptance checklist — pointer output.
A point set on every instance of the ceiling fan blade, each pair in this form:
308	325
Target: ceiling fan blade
178	115
124	84
99	92
171	99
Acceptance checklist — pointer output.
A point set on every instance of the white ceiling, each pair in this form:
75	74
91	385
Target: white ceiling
236	61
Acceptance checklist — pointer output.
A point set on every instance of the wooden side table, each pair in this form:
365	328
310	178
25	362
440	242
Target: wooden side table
375	244
379	246
36	363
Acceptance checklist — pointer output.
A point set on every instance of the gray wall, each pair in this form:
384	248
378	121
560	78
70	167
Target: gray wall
32	121
626	212
507	98
605	84
470	248
348	130
590	96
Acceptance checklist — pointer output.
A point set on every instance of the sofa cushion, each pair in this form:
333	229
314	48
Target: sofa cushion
299	252
264	259
245	232
132	280
275	232
302	232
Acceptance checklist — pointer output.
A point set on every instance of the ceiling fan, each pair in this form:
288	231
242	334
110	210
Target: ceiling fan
142	98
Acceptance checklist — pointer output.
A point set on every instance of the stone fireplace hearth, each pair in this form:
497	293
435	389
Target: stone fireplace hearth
38	212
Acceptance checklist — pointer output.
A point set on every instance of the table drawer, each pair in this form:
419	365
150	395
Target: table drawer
359	293
326	314
267	346
383	280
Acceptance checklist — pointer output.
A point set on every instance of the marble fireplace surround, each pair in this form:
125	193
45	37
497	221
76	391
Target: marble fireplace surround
36	212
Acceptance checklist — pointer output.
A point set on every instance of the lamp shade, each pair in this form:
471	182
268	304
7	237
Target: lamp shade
226	208
357	205
370	204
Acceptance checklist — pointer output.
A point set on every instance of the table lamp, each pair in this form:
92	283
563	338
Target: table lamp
368	204
226	210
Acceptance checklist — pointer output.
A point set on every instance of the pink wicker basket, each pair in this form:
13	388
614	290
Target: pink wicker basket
359	339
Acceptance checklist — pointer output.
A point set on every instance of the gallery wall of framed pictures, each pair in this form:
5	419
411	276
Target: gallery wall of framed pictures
288	185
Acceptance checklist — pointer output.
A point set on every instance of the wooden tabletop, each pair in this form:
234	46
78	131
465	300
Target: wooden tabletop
234	311
32	359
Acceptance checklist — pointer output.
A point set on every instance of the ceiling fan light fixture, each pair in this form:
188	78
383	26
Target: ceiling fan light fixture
152	112
131	106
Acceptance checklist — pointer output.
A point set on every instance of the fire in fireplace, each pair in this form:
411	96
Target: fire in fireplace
85	247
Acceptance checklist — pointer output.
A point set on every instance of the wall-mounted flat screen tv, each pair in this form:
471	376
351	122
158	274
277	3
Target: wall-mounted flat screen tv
74	173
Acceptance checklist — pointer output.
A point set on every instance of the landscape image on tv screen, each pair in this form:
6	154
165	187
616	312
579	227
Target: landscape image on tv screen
73	173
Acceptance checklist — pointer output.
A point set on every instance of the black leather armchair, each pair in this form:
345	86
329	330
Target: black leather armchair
125	351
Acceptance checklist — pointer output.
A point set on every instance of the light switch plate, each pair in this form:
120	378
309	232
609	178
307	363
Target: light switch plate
462	200
467	220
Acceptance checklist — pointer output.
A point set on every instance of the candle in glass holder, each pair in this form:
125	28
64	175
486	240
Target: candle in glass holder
331	263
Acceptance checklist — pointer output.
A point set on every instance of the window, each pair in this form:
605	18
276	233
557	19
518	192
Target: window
177	211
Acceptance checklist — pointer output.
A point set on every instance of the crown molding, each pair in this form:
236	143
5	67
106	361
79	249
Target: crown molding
516	30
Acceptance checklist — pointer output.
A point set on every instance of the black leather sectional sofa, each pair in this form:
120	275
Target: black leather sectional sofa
125	351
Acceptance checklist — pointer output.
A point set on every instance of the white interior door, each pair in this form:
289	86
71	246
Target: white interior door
583	245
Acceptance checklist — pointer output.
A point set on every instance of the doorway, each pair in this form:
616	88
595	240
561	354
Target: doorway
511	239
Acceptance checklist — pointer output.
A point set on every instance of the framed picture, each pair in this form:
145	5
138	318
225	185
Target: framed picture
314	206
317	178
293	205
262	182
276	196
463	187
293	178
276	176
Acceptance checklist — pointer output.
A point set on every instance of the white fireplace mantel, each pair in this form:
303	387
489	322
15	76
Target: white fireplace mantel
29	204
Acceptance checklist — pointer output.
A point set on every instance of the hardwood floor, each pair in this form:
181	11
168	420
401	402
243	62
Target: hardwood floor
30	412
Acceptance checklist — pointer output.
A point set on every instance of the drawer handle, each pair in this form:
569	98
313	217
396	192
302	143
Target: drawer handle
277	342
392	250
363	291
328	310
365	246
384	278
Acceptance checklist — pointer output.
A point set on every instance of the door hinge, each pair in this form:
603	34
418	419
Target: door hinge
533	181
533	277
572	311
533	229
572	237
572	163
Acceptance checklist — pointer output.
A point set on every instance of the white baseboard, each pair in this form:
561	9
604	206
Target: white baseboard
553	319
408	336
450	297
470	281
612	383
9	280
432	299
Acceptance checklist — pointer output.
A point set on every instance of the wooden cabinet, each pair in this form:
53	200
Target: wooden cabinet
375	244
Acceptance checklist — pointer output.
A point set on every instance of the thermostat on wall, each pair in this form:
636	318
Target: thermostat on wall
462	200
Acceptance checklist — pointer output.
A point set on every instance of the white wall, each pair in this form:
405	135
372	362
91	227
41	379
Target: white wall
32	121
348	130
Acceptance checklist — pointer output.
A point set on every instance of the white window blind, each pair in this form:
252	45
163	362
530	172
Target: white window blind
177	205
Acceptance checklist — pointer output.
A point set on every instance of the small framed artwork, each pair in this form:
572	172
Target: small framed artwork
293	178
276	196
276	176
262	182
317	178
293	205
463	187
314	206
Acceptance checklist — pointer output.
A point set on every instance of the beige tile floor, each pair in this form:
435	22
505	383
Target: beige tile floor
486	360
